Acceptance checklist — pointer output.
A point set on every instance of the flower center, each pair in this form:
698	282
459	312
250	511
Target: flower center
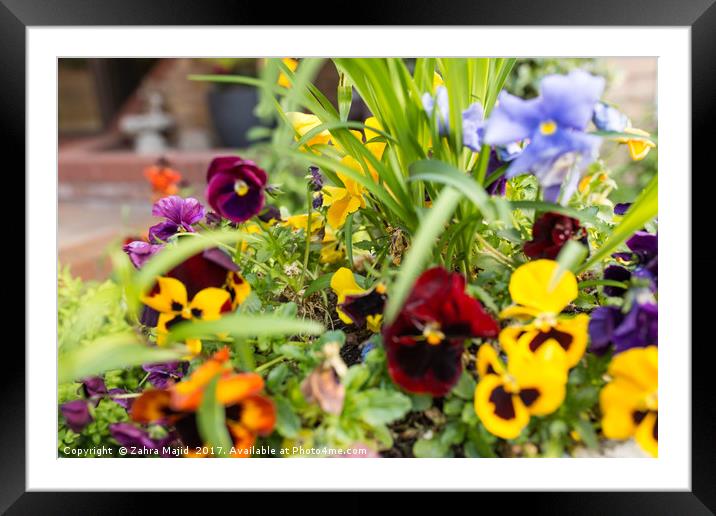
241	188
548	127
545	321
186	313
432	333
652	401
511	384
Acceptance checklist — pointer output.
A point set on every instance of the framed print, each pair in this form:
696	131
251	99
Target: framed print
431	247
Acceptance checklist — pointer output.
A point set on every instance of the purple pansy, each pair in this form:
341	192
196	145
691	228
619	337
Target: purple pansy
179	213
77	414
609	118
131	437
554	123
639	327
94	388
235	188
270	213
163	375
616	273
443	115
473	127
621	208
139	252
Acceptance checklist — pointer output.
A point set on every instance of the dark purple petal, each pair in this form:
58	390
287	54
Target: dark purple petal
270	213
220	258
316	179
163	231
223	197
602	323
616	273
645	245
621	208
639	328
163	375
77	414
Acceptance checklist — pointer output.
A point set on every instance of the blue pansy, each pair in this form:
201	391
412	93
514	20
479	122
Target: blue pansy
441	99
609	118
473	127
554	124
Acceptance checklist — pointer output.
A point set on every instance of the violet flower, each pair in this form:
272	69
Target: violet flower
609	118
130	436
77	414
473	127
639	327
164	375
443	115
558	149
235	188
125	403
139	252
180	214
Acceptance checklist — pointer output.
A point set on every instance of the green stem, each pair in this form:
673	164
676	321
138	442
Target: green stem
307	252
497	255
482	162
602	282
270	363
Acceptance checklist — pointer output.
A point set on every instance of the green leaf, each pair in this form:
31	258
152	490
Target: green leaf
246	325
431	448
211	421
420	402
443	173
465	387
587	433
288	423
642	211
421	248
570	257
320	283
587	215
117	351
378	407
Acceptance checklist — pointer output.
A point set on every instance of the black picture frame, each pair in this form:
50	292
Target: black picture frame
699	15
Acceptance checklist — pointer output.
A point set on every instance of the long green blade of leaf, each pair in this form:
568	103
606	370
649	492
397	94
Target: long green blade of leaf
211	421
246	325
421	248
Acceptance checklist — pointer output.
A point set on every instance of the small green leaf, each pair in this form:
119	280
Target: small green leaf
378	407
288	423
465	387
431	448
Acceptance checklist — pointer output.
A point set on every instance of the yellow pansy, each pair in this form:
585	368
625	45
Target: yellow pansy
303	123
638	147
630	401
376	148
291	64
529	385
332	250
298	222
343	201
171	301
251	228
540	296
238	289
535	292
344	284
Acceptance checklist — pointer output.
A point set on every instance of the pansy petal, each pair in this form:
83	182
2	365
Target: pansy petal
502	413
513	119
207	303
569	100
488	362
638	366
234	388
531	286
258	414
647	434
171	296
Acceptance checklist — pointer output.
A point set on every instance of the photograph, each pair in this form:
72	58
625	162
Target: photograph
357	257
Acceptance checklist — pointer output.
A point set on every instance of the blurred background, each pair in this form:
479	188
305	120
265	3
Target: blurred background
128	127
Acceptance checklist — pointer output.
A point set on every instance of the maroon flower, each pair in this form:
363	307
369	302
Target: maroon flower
549	234
235	188
425	342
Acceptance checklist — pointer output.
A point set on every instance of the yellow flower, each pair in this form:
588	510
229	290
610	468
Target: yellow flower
344	284
303	123
251	228
171	301
291	64
630	402
539	301
298	222
238	288
376	148
343	201
530	385
332	250
638	147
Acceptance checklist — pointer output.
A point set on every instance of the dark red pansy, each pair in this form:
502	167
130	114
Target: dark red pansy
235	188
424	344
549	234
